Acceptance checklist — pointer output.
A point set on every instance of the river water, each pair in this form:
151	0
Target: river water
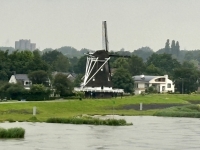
146	133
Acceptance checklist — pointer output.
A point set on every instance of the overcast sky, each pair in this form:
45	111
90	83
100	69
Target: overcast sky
132	24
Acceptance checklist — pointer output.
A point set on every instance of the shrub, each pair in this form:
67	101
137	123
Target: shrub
3	133
88	120
12	133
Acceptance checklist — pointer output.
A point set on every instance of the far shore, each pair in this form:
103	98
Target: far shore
125	106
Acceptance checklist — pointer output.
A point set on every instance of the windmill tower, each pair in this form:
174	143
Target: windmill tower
97	80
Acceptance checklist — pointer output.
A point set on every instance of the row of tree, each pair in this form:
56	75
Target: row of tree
39	66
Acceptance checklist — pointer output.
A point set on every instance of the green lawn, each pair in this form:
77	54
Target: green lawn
22	111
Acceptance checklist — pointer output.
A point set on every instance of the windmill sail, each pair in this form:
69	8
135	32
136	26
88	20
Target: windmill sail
104	36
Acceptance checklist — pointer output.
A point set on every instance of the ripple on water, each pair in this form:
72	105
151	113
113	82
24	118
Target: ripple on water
146	133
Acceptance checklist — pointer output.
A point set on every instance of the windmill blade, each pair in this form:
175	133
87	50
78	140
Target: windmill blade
104	36
116	55
105	43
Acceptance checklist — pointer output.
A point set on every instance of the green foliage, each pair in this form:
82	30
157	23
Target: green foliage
120	63
186	78
56	60
79	68
78	80
62	85
38	92
37	63
12	133
167	47
123	80
13	91
144	53
151	89
152	70
88	120
164	62
39	77
136	65
3	133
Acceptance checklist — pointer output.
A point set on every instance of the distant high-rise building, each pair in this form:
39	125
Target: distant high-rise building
25	45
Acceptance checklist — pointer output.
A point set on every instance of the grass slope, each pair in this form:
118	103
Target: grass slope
22	111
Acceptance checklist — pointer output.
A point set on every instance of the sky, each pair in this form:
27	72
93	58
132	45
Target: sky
131	24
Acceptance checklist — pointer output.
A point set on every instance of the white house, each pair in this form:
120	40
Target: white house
161	83
21	78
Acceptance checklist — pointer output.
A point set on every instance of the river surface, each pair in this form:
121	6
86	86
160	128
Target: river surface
146	133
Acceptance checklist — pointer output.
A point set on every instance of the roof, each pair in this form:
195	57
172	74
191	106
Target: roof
144	78
21	77
65	73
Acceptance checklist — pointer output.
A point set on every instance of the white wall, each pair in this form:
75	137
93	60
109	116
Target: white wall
12	79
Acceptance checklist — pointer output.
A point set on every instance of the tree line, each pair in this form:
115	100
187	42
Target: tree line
40	65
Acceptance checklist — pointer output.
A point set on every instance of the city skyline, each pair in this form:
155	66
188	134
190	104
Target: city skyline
131	24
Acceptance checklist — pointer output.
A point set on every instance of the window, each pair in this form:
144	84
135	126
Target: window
163	88
27	83
136	85
101	69
93	79
169	85
160	80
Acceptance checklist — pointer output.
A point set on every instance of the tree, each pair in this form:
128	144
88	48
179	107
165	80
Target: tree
152	70
189	56
173	48
167	47
73	61
186	78
62	85
61	64
136	65
13	91
20	61
78	80
177	49
120	62
164	62
143	52
38	92
79	68
39	77
5	64
37	63
56	60
123	80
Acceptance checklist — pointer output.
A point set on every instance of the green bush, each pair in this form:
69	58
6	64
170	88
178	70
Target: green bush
12	133
3	133
88	120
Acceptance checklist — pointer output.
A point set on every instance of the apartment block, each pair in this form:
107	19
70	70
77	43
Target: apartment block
25	45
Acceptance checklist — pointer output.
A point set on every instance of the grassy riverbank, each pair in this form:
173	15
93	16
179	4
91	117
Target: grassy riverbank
191	111
23	111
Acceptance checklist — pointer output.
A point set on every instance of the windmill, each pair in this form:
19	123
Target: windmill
97	79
